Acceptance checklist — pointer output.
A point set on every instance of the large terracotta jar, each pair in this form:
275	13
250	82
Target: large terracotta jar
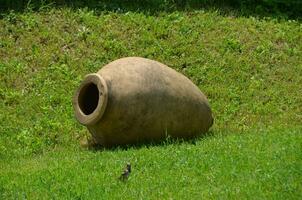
135	99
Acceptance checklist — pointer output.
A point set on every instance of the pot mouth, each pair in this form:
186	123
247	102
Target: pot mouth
90	99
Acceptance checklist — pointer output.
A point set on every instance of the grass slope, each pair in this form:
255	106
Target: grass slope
250	69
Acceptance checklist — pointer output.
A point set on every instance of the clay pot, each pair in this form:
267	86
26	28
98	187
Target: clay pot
136	99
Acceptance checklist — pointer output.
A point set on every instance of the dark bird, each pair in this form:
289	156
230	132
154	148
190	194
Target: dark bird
126	173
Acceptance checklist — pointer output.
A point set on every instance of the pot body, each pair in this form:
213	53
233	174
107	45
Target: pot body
136	99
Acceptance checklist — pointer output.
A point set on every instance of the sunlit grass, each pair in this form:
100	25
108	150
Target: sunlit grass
250	69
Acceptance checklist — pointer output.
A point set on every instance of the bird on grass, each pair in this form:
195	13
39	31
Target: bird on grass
126	173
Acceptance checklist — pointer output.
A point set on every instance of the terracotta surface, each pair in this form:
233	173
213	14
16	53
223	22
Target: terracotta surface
136	99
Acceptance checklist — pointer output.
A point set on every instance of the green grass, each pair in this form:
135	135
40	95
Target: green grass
262	165
250	69
290	9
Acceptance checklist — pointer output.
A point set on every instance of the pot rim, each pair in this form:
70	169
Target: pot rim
97	113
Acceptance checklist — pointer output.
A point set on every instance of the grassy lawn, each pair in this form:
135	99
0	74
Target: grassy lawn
250	69
251	165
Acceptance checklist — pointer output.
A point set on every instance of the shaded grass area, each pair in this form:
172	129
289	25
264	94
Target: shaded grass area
262	165
250	69
264	8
